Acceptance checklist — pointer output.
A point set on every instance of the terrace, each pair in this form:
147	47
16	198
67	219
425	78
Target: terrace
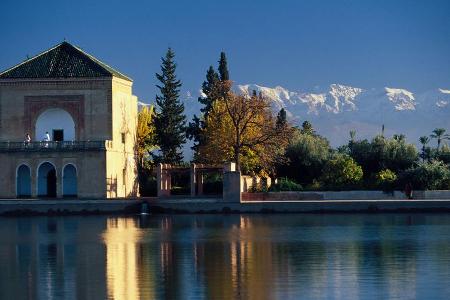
55	146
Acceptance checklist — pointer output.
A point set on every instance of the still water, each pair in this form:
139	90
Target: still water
385	256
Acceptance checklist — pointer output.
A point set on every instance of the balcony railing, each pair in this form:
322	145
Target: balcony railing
54	146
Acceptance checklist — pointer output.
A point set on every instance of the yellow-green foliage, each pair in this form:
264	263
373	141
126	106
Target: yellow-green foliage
386	179
145	132
386	176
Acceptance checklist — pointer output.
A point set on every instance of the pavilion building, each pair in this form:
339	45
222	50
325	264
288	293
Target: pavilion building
90	113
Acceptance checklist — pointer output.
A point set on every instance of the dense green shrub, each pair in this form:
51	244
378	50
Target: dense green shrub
341	172
434	175
383	153
285	185
306	156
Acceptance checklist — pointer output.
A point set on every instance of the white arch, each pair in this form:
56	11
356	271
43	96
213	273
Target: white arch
17	178
37	175
55	119
76	179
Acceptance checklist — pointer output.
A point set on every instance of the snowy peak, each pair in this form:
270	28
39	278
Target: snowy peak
336	109
278	94
402	99
444	98
344	97
337	98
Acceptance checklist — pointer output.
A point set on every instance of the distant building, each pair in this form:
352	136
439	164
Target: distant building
90	114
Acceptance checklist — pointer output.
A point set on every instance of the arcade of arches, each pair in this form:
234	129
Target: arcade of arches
47	181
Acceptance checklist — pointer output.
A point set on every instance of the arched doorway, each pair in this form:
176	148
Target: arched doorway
70	181
23	182
58	123
46	180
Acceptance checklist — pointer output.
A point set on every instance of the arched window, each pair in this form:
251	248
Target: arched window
70	186
23	181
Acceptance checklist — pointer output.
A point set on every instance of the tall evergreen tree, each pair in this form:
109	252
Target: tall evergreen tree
210	93
209	88
215	87
223	67
170	121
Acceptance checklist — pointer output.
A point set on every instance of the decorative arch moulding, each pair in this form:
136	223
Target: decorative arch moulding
73	104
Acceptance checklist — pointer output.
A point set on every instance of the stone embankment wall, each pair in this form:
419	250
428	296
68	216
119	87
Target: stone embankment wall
342	195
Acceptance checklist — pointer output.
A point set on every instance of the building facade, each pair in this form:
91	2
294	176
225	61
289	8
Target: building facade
80	115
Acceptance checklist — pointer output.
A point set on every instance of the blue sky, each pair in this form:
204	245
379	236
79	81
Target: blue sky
296	44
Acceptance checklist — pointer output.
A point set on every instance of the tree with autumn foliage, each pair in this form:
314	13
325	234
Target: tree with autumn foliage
145	144
244	129
145	133
213	88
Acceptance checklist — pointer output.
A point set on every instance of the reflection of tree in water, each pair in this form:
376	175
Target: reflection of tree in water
216	256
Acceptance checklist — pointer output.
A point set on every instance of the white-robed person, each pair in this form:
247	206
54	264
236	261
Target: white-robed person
46	138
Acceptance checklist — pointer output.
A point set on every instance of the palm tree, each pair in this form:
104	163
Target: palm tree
439	134
424	140
352	135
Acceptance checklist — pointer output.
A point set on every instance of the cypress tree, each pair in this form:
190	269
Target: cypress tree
194	130
170	121
223	67
209	88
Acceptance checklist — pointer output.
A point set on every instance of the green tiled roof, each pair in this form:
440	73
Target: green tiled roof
62	61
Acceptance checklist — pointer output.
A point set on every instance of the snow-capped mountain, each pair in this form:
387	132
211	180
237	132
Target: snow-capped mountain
337	109
337	99
402	99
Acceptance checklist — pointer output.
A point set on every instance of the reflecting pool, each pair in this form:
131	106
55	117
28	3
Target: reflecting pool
283	256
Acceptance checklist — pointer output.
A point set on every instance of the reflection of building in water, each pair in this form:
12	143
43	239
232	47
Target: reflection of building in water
240	265
48	262
128	273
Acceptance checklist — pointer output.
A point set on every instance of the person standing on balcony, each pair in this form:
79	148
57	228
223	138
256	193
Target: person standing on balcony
46	139
27	139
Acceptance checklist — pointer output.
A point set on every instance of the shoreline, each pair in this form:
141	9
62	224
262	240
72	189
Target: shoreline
22	207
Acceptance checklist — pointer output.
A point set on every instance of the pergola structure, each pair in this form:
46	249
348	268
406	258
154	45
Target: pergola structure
164	174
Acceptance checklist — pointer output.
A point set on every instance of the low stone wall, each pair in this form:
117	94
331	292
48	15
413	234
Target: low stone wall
68	207
311	206
343	195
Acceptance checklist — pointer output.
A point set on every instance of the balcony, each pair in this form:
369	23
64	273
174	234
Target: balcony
52	146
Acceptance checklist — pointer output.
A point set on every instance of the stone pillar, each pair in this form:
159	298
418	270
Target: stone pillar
231	183
59	181
33	173
193	176
163	180
199	183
